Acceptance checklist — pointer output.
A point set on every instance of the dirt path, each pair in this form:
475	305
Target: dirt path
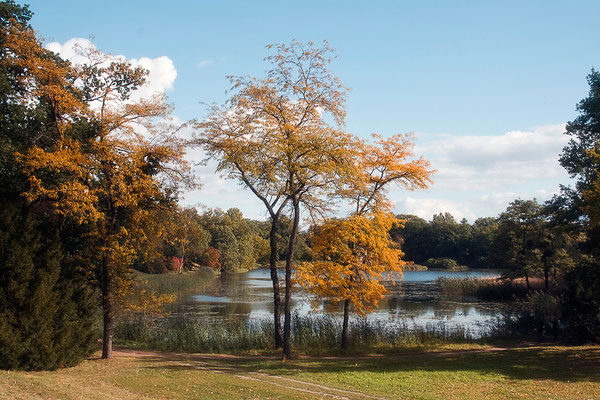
202	362
209	362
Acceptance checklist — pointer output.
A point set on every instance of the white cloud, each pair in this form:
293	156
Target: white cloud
480	175
161	70
495	162
469	205
427	207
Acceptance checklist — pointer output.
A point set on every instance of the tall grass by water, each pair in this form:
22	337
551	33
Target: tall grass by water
177	284
318	334
482	288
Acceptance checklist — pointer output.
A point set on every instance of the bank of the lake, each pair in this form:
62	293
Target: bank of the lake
233	313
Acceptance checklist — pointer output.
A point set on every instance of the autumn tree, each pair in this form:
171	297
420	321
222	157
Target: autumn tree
122	164
170	231
272	136
356	252
47	305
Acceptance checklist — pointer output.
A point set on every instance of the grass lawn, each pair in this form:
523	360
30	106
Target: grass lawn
533	373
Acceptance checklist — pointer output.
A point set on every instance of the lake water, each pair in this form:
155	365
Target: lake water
415	300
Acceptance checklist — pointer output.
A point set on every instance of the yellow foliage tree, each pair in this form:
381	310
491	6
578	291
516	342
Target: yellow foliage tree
273	137
355	254
107	160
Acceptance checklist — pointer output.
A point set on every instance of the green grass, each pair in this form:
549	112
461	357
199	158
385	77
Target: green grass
482	288
531	373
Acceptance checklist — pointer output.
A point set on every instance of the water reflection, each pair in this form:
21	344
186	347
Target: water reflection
415	298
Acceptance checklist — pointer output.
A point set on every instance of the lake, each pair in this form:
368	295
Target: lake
415	300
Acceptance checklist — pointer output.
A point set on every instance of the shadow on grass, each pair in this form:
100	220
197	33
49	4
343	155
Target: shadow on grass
562	364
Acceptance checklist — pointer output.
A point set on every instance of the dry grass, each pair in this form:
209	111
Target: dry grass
531	372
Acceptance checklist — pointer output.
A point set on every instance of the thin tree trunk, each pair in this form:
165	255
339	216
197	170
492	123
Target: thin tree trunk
527	281
275	279
287	324
107	309
345	324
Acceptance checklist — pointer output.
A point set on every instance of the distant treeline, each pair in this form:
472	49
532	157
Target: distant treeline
471	245
222	240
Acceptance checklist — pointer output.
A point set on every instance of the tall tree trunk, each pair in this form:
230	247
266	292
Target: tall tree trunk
107	308
527	281
275	279
287	324
345	324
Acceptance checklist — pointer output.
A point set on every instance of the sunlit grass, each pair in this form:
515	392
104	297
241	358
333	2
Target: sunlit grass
531	373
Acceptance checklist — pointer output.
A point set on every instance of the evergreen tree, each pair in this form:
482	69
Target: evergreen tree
47	308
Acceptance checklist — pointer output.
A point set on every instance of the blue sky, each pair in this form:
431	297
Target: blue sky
486	86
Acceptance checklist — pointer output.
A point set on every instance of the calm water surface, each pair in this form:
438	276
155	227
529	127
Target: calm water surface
415	299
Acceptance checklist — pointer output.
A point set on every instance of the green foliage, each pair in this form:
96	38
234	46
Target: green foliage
9	9
239	244
585	135
47	309
443	237
581	309
445	263
48	306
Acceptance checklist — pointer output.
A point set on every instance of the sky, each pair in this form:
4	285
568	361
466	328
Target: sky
487	87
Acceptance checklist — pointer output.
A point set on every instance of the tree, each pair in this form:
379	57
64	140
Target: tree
47	305
519	242
272	136
47	308
580	159
534	238
584	130
118	168
484	231
413	237
234	239
355	252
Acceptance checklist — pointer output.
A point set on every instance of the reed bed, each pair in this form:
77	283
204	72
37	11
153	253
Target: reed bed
316	334
482	288
178	284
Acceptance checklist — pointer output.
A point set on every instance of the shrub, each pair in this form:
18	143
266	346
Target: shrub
445	263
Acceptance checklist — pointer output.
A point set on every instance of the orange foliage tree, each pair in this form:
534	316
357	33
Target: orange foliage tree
107	160
272	136
355	254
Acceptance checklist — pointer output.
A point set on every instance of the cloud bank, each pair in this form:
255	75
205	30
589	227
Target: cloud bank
479	175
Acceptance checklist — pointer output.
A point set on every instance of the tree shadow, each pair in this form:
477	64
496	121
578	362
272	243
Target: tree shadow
538	363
